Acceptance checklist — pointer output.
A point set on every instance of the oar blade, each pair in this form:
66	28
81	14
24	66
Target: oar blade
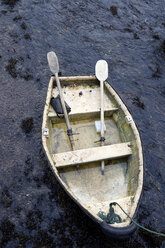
101	70
53	62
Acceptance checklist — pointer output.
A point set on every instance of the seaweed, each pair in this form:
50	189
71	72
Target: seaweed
27	36
113	10
16	18
23	25
128	30
162	46
135	36
8	230
6	198
3	11
138	102
27	124
43	239
27	76
157	73
156	36
11	67
11	3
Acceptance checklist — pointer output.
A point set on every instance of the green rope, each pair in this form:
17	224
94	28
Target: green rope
105	217
111	217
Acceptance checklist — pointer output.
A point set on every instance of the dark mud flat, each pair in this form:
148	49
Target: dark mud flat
34	210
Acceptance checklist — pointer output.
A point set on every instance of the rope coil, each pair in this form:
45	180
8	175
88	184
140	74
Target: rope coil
111	218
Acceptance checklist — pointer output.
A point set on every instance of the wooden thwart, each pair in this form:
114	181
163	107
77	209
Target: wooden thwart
92	154
108	112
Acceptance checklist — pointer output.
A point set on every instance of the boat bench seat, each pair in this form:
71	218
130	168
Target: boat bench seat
88	113
92	154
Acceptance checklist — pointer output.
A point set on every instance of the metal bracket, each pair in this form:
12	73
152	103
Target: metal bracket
46	132
128	118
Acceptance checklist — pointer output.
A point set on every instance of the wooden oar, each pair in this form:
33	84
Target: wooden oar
101	71
54	67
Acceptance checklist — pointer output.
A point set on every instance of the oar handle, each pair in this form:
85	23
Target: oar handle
102	121
102	110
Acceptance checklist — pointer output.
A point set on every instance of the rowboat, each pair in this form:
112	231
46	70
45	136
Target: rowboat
78	169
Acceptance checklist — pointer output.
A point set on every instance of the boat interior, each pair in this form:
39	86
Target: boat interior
80	169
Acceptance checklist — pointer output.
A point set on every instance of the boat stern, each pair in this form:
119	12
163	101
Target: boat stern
120	233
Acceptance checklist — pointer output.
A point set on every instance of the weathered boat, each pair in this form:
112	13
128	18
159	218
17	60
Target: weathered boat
78	170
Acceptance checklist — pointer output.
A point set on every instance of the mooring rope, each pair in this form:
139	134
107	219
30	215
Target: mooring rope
111	218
